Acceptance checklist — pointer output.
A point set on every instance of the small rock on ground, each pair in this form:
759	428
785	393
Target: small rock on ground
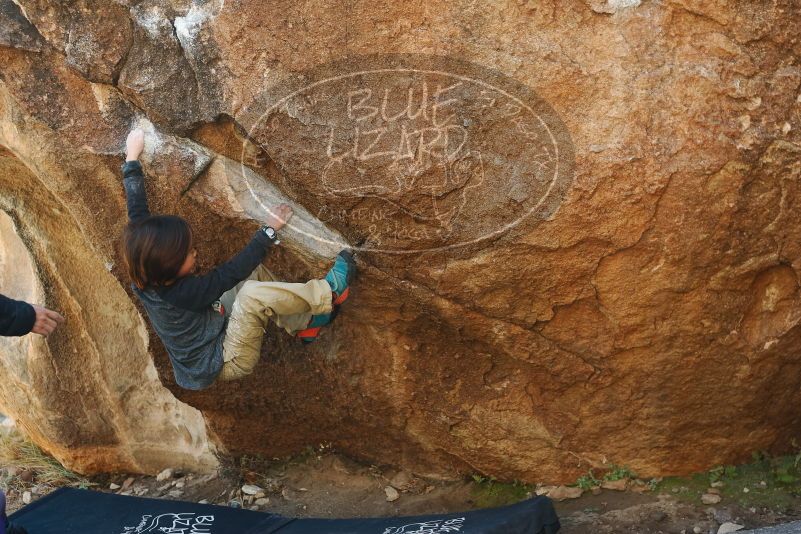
251	489
402	481
164	475
710	498
561	493
658	516
617	485
722	516
392	494
728	528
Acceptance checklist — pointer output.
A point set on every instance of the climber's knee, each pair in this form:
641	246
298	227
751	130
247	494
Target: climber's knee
247	297
239	357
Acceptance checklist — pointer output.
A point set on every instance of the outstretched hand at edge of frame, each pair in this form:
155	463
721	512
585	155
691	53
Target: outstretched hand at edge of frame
46	321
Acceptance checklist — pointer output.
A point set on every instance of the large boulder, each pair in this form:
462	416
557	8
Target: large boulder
577	223
68	391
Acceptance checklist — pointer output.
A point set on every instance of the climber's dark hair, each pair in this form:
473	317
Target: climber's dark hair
155	248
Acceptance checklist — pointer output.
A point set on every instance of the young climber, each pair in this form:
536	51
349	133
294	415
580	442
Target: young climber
212	325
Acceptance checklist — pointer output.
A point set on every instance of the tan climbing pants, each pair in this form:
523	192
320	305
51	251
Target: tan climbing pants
253	303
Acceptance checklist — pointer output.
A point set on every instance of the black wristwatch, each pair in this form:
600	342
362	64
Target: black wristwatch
271	234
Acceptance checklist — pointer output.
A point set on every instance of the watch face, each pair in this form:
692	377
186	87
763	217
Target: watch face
270	232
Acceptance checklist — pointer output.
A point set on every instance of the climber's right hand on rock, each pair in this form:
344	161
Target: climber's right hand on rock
46	321
279	216
134	144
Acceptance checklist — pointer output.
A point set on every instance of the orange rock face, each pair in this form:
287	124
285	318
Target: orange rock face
577	222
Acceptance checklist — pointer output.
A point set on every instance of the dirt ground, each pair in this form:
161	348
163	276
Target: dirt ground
326	484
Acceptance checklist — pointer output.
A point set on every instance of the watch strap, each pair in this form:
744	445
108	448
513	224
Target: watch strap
270	230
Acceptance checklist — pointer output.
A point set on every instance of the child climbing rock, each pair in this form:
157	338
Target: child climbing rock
212	325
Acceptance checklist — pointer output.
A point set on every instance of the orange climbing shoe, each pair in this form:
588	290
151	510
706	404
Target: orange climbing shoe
339	278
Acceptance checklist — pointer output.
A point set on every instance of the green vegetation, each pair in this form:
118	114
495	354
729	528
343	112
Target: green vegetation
16	451
770	482
614	472
767	482
488	492
619	473
587	481
717	474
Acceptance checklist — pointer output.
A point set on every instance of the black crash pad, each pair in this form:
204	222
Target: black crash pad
74	511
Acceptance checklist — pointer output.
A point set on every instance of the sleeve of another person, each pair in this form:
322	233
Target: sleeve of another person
16	317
